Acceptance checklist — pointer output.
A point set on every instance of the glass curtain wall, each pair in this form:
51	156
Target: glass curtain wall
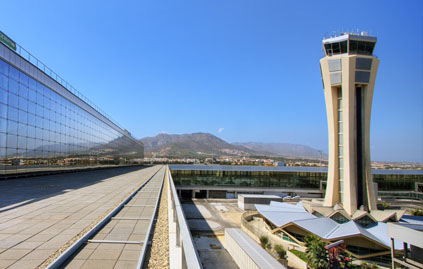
40	129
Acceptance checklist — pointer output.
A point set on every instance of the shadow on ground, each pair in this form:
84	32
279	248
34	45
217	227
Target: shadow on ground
18	192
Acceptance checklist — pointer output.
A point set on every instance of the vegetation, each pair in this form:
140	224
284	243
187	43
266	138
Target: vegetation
280	250
366	265
385	205
317	255
299	254
417	212
264	241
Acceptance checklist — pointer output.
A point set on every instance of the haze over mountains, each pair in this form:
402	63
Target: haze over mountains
284	150
199	145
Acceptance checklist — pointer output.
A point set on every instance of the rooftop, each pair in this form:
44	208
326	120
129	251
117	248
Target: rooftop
363	36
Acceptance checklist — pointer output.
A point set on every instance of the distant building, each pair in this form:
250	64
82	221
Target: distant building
247	201
349	73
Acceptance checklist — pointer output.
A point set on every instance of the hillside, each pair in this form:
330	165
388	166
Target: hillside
191	145
198	145
284	150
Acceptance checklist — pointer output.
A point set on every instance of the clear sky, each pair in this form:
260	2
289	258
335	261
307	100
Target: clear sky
242	70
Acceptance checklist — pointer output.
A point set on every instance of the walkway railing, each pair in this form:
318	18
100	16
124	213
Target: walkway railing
189	255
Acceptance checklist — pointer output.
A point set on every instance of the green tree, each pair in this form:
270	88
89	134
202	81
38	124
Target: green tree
316	253
280	250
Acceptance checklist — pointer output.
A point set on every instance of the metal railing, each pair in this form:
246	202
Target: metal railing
189	253
49	72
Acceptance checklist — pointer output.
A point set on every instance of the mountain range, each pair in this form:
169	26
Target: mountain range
198	145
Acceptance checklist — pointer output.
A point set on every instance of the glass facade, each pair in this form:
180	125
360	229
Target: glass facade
266	179
350	46
40	129
311	177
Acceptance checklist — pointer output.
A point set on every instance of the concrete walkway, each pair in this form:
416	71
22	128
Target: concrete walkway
123	228
39	215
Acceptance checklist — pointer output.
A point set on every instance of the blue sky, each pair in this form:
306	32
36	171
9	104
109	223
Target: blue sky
242	70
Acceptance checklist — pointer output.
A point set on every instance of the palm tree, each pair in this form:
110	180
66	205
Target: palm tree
316	253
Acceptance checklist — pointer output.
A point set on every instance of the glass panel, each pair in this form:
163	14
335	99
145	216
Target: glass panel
344	47
12	127
13	100
23	104
369	48
12	113
340	150
21	142
12	141
13	86
336	48
4	68
361	47
328	48
340	127
13	73
3	96
340	116
2	140
3	111
23	91
4	81
353	47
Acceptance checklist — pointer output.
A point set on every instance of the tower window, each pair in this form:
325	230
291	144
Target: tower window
361	47
336	48
344	47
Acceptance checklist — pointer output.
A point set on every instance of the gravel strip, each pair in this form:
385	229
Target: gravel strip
159	256
83	232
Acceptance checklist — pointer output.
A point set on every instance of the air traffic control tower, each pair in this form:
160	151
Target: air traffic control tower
349	73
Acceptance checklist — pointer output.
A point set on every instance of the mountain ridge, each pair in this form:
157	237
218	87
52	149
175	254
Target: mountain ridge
284	150
197	145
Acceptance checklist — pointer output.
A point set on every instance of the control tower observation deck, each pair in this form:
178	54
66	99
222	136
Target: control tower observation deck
349	73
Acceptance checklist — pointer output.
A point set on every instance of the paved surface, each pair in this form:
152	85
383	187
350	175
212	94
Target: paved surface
211	215
207	219
123	228
39	215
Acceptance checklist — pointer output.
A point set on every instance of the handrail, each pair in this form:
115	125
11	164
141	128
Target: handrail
49	72
184	240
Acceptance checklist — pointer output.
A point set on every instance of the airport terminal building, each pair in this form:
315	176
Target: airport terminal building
46	125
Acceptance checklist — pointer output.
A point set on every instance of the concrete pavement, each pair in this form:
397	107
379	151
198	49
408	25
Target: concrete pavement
40	215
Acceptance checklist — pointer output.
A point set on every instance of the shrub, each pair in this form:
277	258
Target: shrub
264	241
417	212
280	250
366	265
385	205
